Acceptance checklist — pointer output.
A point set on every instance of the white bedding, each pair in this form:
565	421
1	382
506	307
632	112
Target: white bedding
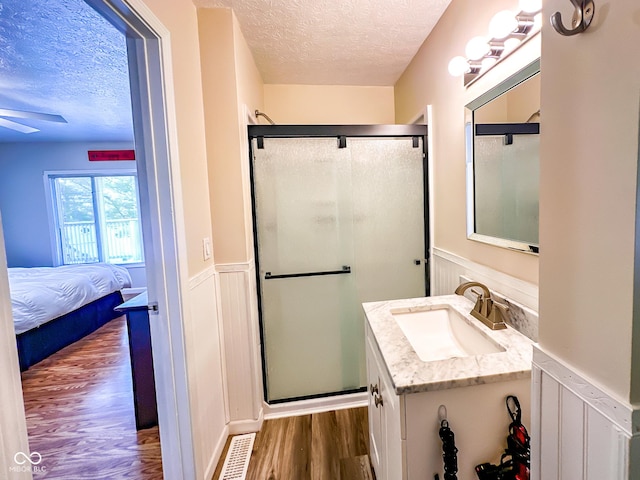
41	294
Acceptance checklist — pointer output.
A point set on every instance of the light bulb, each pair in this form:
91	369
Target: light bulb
530	6
458	66
502	24
477	48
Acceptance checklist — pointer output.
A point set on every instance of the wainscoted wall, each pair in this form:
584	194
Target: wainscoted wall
448	267
521	297
242	359
578	430
204	358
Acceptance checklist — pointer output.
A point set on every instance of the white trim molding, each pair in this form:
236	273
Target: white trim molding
234	267
447	268
201	277
316	405
158	166
578	429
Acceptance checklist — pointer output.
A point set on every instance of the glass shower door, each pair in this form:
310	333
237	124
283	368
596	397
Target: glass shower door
389	218
304	229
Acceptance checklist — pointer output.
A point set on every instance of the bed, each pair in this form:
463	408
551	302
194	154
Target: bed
56	306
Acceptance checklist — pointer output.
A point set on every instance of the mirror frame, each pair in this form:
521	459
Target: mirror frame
511	82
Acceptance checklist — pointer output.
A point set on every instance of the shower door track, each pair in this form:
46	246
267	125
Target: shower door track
341	133
293	131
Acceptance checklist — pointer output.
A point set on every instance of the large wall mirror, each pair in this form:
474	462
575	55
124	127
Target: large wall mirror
503	138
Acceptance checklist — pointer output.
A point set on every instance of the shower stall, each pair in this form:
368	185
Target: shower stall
340	218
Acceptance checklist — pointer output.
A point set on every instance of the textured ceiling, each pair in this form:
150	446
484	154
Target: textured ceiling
61	57
333	42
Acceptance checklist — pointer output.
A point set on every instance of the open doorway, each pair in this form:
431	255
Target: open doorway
147	62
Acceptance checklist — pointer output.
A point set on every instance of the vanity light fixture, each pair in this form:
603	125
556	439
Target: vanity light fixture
507	31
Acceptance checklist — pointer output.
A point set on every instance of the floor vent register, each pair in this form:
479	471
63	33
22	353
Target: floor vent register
236	463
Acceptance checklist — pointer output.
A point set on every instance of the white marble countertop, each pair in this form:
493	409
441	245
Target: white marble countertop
409	374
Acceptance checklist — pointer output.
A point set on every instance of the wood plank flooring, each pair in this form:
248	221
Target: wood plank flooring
80	417
323	446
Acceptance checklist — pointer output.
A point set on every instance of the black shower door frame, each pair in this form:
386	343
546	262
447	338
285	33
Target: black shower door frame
341	133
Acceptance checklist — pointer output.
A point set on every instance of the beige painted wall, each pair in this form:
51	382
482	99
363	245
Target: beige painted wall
179	16
200	318
524	101
231	81
588	189
515	106
328	104
426	81
250	99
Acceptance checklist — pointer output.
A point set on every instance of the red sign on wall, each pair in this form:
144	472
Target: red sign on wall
111	155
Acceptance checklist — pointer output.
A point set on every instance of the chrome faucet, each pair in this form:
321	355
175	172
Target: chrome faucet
488	311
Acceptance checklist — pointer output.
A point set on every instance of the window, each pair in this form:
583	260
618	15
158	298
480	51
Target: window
97	218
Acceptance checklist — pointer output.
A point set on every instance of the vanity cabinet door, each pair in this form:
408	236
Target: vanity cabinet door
386	443
392	422
376	440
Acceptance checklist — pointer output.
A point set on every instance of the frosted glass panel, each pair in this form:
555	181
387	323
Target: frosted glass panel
506	187
388	223
320	208
304	222
311	336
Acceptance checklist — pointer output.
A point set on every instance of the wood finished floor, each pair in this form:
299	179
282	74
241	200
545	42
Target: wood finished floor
80	417
323	446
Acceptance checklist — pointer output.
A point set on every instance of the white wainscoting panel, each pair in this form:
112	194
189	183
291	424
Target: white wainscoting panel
242	344
206	376
578	430
449	271
448	268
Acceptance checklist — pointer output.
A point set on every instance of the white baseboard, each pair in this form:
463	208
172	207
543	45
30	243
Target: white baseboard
316	405
246	426
217	453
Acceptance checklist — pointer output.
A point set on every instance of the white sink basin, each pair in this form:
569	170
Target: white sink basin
439	333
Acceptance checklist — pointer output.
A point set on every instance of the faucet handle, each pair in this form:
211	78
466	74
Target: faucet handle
479	300
484	303
487	307
499	313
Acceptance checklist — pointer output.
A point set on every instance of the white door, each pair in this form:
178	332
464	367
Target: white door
156	137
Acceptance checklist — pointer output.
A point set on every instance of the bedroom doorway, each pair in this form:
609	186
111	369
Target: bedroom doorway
155	140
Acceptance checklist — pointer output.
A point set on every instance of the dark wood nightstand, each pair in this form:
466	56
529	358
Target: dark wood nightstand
144	386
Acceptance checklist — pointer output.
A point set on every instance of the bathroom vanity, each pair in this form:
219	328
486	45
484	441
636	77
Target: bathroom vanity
412	369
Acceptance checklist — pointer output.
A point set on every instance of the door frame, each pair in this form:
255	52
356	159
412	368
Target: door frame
341	133
155	131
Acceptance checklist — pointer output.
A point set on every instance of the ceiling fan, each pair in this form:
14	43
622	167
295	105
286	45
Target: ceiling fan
8	113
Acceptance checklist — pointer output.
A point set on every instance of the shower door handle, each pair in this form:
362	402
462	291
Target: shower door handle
345	269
